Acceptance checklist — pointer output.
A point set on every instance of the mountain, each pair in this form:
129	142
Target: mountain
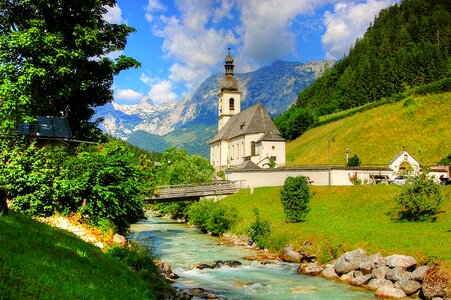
190	123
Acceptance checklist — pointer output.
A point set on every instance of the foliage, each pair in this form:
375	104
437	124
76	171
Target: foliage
355	179
38	261
295	196
210	216
408	44
446	160
259	230
101	182
420	199
353	161
3	204
54	60
177	210
294	122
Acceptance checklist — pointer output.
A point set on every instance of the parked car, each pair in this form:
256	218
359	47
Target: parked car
402	179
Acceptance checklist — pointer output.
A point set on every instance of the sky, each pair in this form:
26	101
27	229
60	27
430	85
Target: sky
180	43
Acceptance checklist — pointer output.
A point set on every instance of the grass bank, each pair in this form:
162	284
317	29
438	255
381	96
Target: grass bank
38	261
346	218
420	123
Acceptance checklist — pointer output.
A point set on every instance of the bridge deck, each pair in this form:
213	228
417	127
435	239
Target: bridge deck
182	192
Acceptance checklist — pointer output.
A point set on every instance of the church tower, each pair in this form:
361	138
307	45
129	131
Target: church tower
229	98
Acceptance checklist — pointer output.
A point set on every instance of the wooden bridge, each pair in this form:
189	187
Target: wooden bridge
193	192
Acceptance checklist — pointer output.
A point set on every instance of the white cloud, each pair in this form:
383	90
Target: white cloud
348	22
152	7
162	91
113	15
127	95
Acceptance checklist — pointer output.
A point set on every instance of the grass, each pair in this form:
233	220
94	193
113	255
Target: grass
38	261
346	218
420	123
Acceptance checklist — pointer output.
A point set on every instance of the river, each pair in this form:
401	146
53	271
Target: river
182	247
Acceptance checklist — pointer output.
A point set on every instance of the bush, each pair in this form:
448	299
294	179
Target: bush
353	161
295	196
210	216
420	199
259	230
177	210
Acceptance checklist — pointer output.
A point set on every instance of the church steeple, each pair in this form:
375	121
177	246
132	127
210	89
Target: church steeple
229	103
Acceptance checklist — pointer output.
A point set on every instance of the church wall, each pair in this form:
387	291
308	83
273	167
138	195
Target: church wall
273	149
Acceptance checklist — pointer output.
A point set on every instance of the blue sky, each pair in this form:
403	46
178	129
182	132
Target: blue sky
180	43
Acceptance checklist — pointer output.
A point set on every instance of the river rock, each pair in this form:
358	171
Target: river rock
196	291
174	276
361	280
310	269
419	273
408	286
119	239
403	261
434	284
390	292
350	261
212	296
380	272
376	284
289	255
397	274
374	261
232	263
347	277
203	266
329	272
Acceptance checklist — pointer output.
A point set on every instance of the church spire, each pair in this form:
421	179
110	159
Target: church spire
229	82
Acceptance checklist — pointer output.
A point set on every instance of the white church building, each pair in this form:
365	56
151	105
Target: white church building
246	139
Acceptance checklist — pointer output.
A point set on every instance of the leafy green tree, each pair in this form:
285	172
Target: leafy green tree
420	199
353	161
259	230
295	196
53	60
210	216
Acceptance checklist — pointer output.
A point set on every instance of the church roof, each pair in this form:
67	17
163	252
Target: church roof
247	165
254	119
271	137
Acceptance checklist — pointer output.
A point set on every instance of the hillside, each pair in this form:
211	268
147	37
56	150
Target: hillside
38	261
420	123
333	228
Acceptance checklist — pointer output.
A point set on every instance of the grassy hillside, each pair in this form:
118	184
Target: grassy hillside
41	262
420	123
333	227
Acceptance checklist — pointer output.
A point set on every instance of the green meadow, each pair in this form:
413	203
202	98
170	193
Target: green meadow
38	261
346	218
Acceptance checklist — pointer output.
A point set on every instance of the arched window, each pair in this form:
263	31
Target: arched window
232	104
252	148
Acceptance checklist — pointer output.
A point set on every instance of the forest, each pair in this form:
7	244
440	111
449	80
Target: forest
407	45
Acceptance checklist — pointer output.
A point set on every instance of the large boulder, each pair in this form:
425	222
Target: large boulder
419	273
374	261
408	286
289	255
350	261
397	274
380	272
376	284
390	292
310	269
434	284
403	261
329	272
361	280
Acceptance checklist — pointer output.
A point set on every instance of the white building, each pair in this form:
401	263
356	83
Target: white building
244	137
404	163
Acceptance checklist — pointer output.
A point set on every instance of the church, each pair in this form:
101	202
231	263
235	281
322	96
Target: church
245	139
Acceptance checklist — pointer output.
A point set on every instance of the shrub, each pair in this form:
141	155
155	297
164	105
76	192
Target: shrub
259	230
177	210
353	161
295	196
210	216
420	199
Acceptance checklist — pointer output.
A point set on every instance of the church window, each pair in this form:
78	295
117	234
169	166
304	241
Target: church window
232	104
273	147
252	148
273	158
